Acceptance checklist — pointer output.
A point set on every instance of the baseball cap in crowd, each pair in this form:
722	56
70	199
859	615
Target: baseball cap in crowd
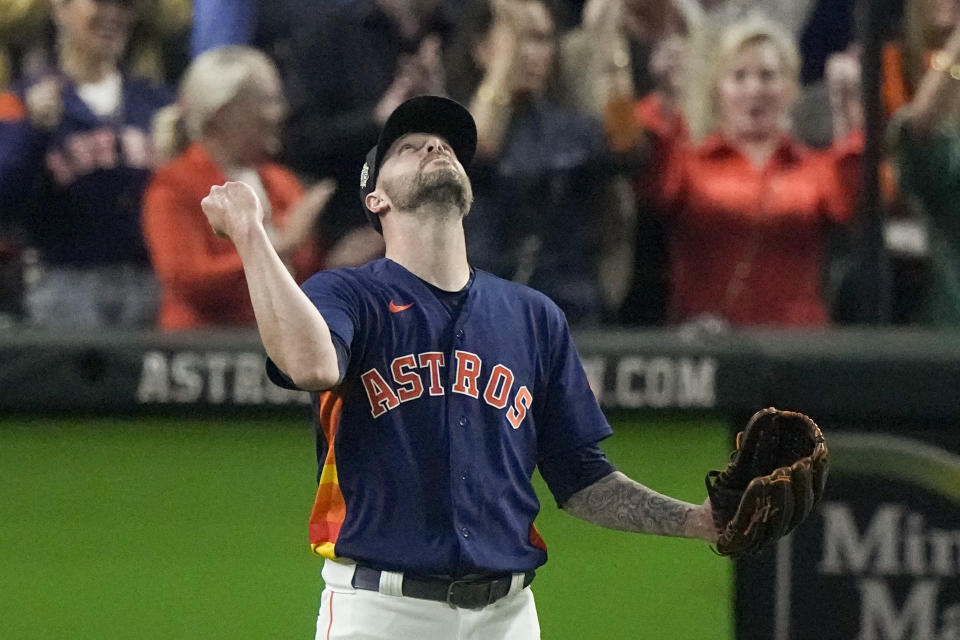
423	114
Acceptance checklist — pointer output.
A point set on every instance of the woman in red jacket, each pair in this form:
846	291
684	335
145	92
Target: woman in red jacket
748	207
226	125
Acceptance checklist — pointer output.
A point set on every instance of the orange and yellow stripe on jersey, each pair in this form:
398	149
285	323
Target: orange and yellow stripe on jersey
535	538
329	508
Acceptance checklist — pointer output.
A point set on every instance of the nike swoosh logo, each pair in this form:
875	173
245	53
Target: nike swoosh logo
394	308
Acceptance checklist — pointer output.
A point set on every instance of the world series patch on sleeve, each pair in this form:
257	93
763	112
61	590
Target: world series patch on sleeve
773	481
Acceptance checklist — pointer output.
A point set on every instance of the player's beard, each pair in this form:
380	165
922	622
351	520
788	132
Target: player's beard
442	188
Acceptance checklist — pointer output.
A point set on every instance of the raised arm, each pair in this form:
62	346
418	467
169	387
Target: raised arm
492	103
617	502
293	332
937	89
843	88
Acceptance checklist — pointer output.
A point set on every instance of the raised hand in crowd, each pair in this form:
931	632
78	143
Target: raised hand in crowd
509	17
602	18
668	68
399	90
608	63
429	60
302	218
939	88
602	22
842	75
517	61
44	103
419	73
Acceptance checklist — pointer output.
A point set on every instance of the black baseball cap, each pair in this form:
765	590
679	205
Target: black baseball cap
422	114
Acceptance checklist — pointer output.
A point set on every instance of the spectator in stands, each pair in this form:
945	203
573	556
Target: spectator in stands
158	48
227	125
624	50
823	24
20	22
351	65
539	176
605	61
748	208
925	140
75	156
927	25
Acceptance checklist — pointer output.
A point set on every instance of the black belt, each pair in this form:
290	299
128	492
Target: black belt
466	594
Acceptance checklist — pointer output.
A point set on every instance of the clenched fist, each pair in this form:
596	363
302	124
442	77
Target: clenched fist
232	209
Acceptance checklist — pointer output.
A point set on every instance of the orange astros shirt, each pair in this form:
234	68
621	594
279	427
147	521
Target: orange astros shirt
201	277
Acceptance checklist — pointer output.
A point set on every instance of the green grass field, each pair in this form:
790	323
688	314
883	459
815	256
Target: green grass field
162	528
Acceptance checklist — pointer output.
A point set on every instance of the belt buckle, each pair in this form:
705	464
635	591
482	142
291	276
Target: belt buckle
461	593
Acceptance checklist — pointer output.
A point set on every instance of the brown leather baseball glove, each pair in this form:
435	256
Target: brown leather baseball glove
773	480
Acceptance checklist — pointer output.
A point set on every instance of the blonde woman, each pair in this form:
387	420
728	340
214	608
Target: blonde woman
225	126
748	207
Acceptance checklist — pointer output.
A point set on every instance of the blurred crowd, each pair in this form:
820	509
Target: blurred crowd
642	162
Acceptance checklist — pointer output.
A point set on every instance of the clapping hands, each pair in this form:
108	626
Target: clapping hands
842	74
418	73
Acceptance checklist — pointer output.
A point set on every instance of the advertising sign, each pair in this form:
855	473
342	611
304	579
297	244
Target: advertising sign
878	560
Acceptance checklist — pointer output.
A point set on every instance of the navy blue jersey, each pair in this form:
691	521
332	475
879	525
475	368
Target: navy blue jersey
78	188
433	434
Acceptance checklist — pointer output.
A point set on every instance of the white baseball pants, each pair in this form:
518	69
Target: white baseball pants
347	613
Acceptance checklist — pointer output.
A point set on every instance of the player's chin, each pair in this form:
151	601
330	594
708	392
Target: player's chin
450	188
444	173
441	172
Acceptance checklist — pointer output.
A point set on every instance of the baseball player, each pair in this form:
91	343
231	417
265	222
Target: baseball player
441	388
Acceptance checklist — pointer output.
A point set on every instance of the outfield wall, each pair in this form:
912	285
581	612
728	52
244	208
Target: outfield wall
854	374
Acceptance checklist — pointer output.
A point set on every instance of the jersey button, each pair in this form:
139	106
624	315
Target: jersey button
463	477
459	334
463	421
465	532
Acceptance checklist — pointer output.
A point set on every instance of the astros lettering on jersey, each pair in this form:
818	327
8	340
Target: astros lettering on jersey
409	383
427	446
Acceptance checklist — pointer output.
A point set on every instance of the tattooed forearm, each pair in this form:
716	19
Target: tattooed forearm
617	502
